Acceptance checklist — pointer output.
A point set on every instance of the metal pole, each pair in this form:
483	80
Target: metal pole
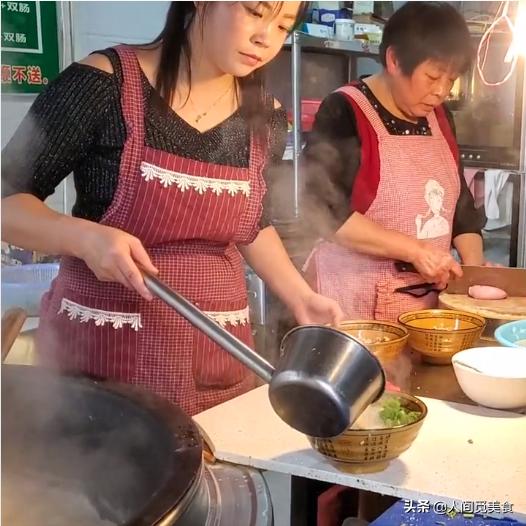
65	58
521	241
296	111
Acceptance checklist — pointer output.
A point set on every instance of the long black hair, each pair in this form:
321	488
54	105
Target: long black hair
176	53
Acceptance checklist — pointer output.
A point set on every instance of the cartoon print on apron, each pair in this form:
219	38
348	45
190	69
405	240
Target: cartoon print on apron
424	167
189	215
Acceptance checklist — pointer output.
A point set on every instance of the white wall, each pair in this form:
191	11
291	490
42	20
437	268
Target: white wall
97	25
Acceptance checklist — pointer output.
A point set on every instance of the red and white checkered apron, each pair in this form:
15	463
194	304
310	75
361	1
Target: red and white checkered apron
189	215
417	194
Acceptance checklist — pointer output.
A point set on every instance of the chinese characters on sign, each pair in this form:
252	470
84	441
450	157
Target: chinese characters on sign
20	7
31	75
29	39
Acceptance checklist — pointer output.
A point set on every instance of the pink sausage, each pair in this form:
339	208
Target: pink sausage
485	292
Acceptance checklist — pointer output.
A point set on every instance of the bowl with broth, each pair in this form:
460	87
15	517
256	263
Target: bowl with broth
383	431
384	339
512	334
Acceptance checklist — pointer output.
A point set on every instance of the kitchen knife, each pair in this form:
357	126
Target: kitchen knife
510	279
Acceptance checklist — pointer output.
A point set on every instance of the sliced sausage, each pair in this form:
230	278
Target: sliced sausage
485	292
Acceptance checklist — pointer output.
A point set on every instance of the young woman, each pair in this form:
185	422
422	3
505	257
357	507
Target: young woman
168	144
383	166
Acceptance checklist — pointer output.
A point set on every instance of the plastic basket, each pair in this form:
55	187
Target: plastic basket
24	285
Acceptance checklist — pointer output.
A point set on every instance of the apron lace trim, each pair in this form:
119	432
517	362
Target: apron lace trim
236	317
100	317
186	182
119	319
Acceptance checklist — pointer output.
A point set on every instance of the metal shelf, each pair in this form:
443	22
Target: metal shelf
298	42
359	47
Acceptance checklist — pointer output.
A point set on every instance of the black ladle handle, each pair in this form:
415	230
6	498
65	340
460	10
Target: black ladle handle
213	330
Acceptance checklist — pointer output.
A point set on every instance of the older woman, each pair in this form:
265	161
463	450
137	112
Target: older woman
383	172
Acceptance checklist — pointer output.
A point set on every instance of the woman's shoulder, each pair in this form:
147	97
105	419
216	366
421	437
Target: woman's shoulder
98	61
104	61
90	79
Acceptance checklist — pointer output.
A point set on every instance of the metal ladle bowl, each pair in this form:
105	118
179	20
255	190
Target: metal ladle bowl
323	381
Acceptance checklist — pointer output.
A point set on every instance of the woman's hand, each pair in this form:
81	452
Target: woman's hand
315	309
113	255
434	265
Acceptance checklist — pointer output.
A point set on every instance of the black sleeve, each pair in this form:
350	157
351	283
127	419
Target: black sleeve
57	132
467	219
330	162
276	170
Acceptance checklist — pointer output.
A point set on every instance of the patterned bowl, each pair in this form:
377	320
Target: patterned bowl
384	339
438	334
371	450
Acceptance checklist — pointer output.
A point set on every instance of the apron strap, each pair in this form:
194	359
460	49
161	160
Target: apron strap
132	97
132	103
356	96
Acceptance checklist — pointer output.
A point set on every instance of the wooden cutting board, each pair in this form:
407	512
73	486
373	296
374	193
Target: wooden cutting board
511	308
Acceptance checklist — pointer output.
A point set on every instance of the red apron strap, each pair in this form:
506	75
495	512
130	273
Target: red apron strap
367	179
132	103
132	98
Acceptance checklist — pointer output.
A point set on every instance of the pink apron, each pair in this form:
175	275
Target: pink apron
417	194
189	215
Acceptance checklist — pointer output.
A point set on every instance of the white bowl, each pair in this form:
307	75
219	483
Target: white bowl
501	382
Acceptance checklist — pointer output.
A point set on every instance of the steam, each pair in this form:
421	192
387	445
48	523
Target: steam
398	371
20	157
324	208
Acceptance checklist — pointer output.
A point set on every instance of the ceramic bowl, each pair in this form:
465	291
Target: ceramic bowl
371	450
438	334
512	334
384	339
493	376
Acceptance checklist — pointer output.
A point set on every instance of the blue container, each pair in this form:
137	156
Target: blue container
24	285
327	17
511	333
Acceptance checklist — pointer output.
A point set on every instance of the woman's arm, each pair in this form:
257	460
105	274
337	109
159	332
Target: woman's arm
110	253
470	248
269	259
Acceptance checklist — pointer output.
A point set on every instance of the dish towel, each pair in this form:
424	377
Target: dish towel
494	181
